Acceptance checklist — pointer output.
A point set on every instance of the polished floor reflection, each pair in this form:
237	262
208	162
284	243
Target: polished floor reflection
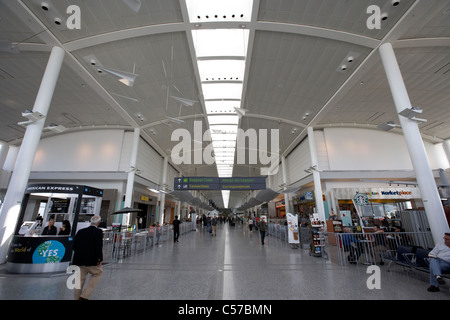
231	266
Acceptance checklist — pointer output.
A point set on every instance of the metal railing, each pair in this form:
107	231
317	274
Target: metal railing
122	244
278	231
371	248
281	232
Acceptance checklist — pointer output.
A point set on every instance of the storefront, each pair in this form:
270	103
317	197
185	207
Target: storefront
40	243
368	206
280	209
304	204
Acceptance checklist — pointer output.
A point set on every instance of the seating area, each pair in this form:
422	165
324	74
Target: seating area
415	258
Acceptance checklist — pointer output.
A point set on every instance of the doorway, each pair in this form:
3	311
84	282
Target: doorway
142	216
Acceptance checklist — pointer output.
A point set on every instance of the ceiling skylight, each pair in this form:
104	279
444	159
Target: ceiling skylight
225	106
221	70
223	119
221	56
220	43
217	10
214	91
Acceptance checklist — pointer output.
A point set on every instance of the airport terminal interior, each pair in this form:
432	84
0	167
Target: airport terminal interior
285	127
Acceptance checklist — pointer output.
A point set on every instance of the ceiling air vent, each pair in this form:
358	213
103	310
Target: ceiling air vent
5	75
444	69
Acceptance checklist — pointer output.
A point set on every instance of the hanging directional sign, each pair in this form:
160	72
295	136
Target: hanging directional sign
196	183
243	183
213	183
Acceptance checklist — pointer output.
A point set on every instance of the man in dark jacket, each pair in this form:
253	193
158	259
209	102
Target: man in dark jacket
262	226
88	245
176	229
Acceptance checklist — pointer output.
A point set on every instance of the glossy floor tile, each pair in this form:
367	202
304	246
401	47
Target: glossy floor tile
231	266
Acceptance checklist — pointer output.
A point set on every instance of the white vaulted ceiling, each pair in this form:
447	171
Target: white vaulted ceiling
287	77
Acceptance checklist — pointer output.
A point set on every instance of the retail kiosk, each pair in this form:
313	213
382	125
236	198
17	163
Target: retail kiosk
32	252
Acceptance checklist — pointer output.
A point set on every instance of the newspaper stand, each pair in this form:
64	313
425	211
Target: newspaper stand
317	243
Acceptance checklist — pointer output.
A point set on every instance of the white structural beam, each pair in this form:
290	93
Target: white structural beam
425	178
9	212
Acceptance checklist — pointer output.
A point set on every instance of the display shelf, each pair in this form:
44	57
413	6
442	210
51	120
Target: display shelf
317	238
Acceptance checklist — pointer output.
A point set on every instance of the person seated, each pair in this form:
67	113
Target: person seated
439	263
351	245
65	229
50	229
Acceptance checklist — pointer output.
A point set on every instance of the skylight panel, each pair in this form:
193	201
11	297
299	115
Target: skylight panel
216	129
223	119
222	106
223	137
220	43
219	10
223	144
221	70
215	91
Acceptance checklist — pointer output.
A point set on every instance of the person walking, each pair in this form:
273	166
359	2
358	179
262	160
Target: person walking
214	226
176	229
208	224
262	226
88	256
250	223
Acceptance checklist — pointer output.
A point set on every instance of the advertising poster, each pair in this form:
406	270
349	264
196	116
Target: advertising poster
292	221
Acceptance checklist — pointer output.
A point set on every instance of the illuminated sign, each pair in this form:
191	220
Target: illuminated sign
213	183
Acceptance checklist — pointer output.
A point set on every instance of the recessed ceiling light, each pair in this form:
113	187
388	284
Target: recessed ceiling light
45	6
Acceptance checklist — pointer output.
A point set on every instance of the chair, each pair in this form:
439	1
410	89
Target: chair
403	256
422	260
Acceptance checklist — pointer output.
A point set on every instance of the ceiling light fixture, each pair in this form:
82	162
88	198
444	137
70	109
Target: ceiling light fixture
174	120
7	46
388	126
126	78
184	101
32	115
134	5
56	128
240	112
412	113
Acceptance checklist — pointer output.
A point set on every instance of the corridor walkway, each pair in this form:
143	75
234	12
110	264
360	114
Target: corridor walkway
231	266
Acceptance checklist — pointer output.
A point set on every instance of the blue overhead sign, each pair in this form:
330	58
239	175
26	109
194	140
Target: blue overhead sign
213	183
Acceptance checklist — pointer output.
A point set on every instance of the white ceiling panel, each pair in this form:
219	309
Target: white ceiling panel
280	64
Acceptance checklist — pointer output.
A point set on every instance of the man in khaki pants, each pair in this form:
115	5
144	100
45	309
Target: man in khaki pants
88	245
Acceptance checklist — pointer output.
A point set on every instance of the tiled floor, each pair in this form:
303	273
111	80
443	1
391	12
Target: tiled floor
231	266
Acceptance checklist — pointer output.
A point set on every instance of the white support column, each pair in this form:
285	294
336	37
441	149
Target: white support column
446	146
3	153
19	178
318	194
178	212
131	174
425	179
286	195
163	195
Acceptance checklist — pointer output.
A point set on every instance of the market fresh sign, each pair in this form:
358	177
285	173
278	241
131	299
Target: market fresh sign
378	193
